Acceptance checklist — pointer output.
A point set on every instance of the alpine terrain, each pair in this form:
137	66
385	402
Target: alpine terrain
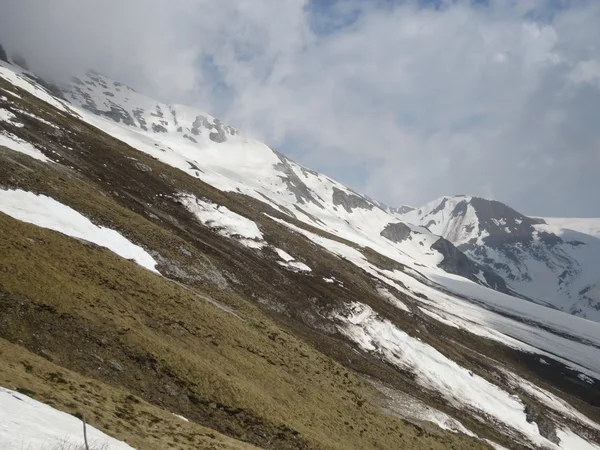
182	286
551	261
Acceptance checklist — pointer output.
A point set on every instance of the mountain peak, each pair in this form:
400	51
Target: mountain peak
522	249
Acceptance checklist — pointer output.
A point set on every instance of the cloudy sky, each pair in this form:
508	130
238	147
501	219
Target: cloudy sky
403	100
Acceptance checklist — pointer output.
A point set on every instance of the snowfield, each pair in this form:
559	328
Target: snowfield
30	425
46	212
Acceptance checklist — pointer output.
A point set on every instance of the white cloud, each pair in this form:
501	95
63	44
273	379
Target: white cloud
586	72
402	101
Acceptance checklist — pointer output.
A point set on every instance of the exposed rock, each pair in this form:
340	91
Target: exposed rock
545	425
396	232
3	55
143	167
158	128
138	113
294	184
350	201
458	263
114	365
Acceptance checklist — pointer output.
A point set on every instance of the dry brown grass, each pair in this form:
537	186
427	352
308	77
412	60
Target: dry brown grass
84	306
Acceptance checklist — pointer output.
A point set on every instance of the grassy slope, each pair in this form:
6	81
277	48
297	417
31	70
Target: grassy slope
87	309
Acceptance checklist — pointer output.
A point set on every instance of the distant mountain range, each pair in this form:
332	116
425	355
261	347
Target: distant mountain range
555	262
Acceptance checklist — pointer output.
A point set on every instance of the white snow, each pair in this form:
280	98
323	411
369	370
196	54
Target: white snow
180	417
16	76
7	116
550	400
391	298
571	441
433	370
296	266
46	212
459	386
290	262
28	424
223	220
12	142
589	226
584	377
284	255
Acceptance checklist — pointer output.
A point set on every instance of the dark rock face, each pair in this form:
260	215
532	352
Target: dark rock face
511	234
504	224
218	131
396	232
458	263
403	209
138	113
3	55
534	414
350	201
158	128
294	184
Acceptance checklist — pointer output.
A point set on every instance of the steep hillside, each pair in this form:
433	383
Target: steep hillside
205	148
144	275
545	260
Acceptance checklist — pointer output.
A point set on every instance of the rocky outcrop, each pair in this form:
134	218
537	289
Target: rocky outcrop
396	232
3	55
350	201
458	263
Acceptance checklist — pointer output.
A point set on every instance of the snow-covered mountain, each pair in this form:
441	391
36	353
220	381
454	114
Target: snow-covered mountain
222	156
551	261
208	275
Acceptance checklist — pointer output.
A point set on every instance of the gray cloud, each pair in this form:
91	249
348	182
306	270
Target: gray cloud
403	102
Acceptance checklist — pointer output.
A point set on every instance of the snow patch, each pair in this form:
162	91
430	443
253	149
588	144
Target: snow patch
290	262
46	212
571	441
224	221
284	255
8	116
584	377
391	298
295	266
18	145
28	424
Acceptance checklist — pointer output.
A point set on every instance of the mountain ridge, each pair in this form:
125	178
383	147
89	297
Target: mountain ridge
521	248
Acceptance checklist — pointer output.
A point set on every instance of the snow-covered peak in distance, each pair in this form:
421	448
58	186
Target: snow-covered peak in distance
220	155
546	260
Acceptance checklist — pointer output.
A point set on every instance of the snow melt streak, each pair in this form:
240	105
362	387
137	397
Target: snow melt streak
433	370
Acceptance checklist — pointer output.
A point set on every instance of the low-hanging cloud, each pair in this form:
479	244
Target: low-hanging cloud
405	101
